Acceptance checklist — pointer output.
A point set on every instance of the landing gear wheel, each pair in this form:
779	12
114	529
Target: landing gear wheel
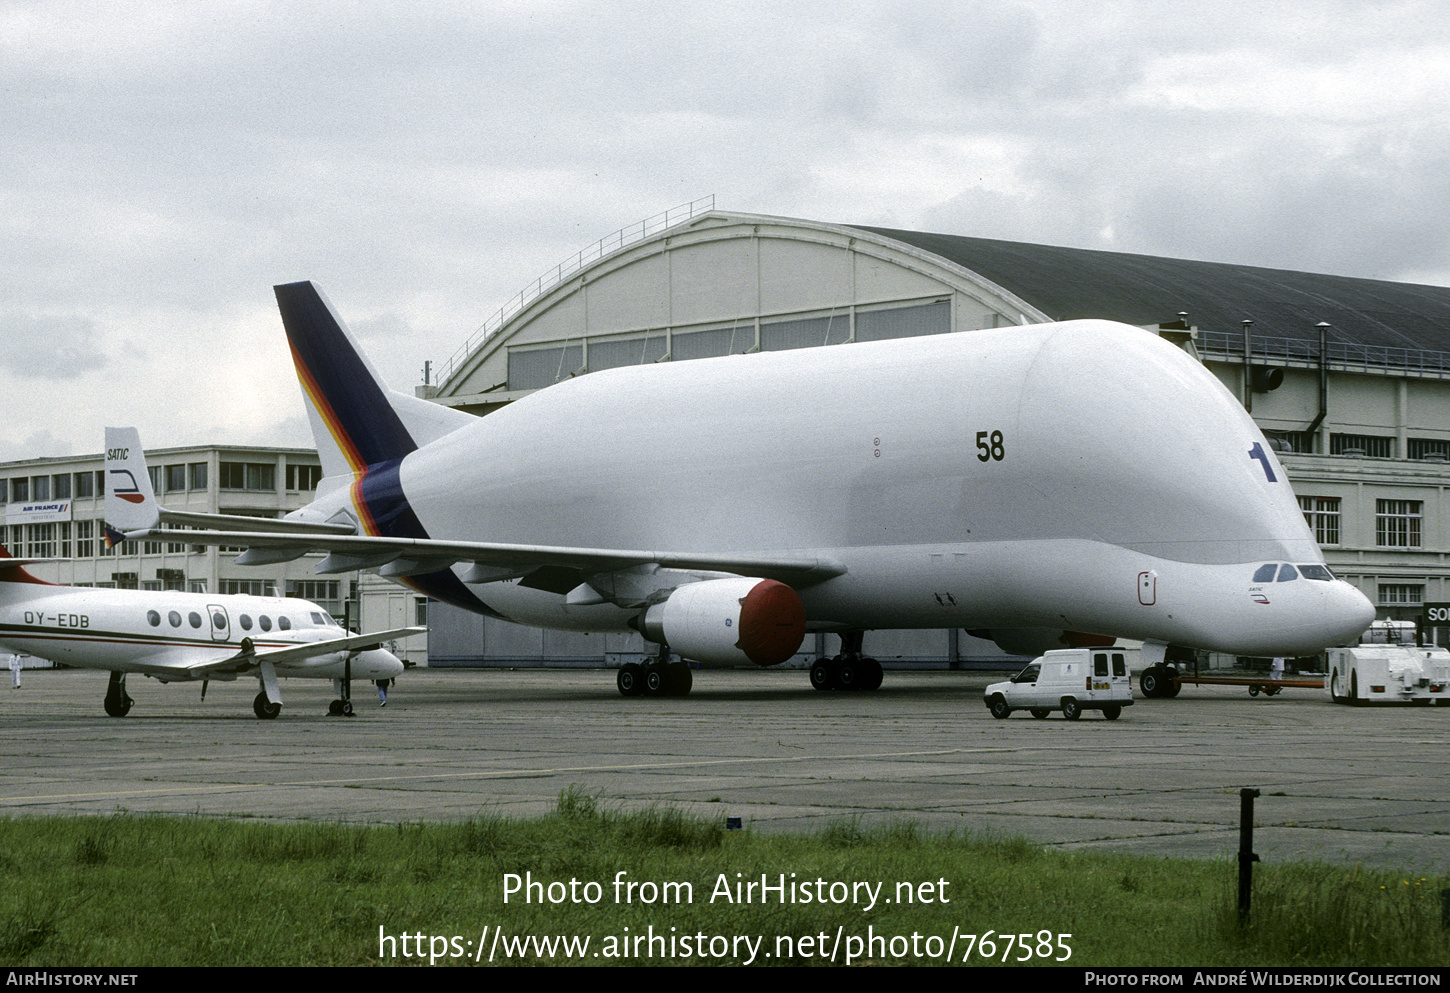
1111	712
823	674
334	709
118	701
264	708
871	675
1040	712
630	679
656	681
346	708
998	707
848	674
1150	682
1071	709
681	679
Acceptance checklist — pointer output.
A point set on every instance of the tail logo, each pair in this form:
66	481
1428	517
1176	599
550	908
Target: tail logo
126	489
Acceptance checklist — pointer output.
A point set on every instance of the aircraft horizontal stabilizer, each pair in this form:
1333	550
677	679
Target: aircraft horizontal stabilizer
513	560
186	518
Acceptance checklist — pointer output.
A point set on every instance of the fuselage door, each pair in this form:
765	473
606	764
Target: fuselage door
221	625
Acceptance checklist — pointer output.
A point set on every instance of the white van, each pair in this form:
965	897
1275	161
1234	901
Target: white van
1070	680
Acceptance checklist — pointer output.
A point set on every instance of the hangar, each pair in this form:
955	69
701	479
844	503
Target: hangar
1349	378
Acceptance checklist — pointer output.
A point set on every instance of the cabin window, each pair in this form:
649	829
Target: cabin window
264	622
153	618
194	618
174	618
219	620
246	620
283	624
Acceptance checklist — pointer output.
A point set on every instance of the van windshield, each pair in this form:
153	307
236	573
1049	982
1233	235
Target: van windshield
1028	675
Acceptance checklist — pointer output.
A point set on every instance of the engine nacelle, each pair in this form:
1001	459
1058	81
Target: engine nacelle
729	621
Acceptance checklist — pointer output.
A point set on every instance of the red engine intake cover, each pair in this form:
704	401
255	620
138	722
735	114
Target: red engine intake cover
772	623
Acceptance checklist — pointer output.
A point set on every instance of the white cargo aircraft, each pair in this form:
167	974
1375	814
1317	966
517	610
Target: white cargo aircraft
174	636
1044	485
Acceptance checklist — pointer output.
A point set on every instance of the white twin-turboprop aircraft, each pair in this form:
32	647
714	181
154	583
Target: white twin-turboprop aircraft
1042	486
174	636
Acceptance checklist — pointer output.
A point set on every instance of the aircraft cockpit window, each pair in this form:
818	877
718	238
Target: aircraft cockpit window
319	620
174	618
265	622
194	618
1316	572
1287	573
1028	675
1265	573
153	618
284	624
246	620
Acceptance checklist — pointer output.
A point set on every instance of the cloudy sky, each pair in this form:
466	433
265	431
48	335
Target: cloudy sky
162	165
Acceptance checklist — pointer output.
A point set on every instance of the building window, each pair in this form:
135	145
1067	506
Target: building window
420	611
1322	516
85	485
303	477
247	587
1368	445
1290	441
196	475
40	487
60	485
1401	594
19	489
1430	449
64	528
1397	523
254	476
40	541
85	538
175	478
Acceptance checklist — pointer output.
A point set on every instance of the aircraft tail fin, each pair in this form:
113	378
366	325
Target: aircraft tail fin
12	569
356	420
130	498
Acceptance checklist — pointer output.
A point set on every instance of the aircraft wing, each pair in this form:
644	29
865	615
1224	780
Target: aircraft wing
203	663
550	567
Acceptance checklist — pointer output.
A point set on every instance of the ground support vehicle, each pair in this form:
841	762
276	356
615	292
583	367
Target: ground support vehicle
1388	673
1070	680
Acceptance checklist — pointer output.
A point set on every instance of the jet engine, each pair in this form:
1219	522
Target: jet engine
729	621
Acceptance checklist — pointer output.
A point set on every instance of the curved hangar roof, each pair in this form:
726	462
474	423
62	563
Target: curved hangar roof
724	283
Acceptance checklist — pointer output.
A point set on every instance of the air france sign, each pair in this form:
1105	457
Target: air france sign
38	512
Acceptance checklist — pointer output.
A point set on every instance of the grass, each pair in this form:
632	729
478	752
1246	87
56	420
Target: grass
154	890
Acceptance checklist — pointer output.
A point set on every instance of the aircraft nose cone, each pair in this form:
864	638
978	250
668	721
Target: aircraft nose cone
1349	611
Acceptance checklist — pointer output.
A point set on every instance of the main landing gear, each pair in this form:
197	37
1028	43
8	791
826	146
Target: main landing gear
658	677
848	671
118	701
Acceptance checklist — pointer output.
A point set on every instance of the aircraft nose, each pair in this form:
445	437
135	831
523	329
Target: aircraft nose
1349	611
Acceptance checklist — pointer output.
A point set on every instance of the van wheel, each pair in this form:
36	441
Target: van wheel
1112	712
999	707
1040	712
1071	709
